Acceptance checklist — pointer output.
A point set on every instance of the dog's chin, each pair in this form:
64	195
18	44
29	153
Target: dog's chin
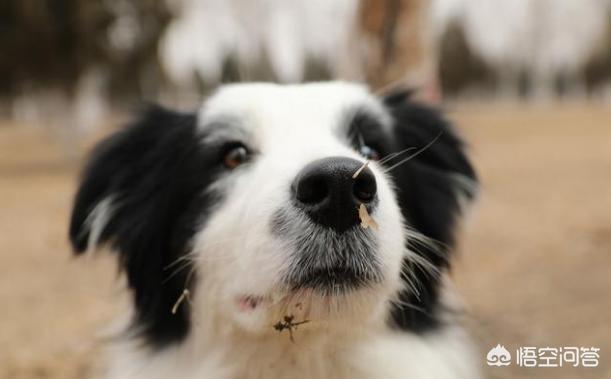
334	298
329	278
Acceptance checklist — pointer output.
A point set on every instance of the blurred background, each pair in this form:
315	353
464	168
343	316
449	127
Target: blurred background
528	83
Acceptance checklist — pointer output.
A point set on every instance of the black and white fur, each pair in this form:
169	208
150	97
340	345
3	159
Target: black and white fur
158	194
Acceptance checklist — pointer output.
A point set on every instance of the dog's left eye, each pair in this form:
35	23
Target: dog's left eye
235	155
369	153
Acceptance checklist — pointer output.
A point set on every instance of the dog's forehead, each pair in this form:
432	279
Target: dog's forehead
270	109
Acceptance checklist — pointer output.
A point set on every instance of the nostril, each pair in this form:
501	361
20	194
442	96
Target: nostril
364	188
312	190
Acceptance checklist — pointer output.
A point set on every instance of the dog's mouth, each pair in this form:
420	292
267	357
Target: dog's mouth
324	261
328	282
336	280
332	264
332	280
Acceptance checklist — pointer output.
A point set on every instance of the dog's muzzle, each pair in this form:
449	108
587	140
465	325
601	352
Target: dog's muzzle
330	251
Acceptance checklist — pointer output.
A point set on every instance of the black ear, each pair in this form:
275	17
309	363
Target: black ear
142	193
433	188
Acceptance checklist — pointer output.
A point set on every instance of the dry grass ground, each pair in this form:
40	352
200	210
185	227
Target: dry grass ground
534	269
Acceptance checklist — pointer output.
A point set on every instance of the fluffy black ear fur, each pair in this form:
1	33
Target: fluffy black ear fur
432	188
143	193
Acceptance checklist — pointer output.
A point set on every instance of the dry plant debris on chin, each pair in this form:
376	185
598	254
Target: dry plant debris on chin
288	324
366	220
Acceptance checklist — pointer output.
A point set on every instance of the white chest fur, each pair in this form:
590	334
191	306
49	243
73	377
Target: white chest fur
445	353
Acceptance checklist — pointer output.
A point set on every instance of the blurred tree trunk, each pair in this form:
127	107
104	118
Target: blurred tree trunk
398	47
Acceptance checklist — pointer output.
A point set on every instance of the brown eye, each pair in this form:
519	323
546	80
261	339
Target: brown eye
235	156
369	153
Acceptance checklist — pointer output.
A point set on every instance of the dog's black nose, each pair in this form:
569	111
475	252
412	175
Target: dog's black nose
327	191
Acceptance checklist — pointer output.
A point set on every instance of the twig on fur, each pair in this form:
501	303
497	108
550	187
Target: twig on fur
185	295
289	325
366	220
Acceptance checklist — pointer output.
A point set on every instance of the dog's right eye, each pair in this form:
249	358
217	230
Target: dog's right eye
369	153
235	155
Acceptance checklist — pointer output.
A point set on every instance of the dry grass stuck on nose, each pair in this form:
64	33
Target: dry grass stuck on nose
366	220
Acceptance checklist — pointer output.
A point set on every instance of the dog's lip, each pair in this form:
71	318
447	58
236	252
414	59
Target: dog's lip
331	277
336	272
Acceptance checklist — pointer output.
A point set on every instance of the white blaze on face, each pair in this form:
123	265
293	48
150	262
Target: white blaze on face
287	127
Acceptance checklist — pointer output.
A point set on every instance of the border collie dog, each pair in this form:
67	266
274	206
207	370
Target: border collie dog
242	233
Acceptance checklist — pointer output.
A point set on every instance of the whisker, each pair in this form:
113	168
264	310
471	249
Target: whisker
411	284
394	155
178	270
178	260
415	154
427	267
411	306
205	255
417	239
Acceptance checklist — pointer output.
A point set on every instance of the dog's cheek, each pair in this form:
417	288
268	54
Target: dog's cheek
391	233
240	274
236	245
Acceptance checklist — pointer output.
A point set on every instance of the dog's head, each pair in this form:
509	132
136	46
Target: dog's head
261	205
